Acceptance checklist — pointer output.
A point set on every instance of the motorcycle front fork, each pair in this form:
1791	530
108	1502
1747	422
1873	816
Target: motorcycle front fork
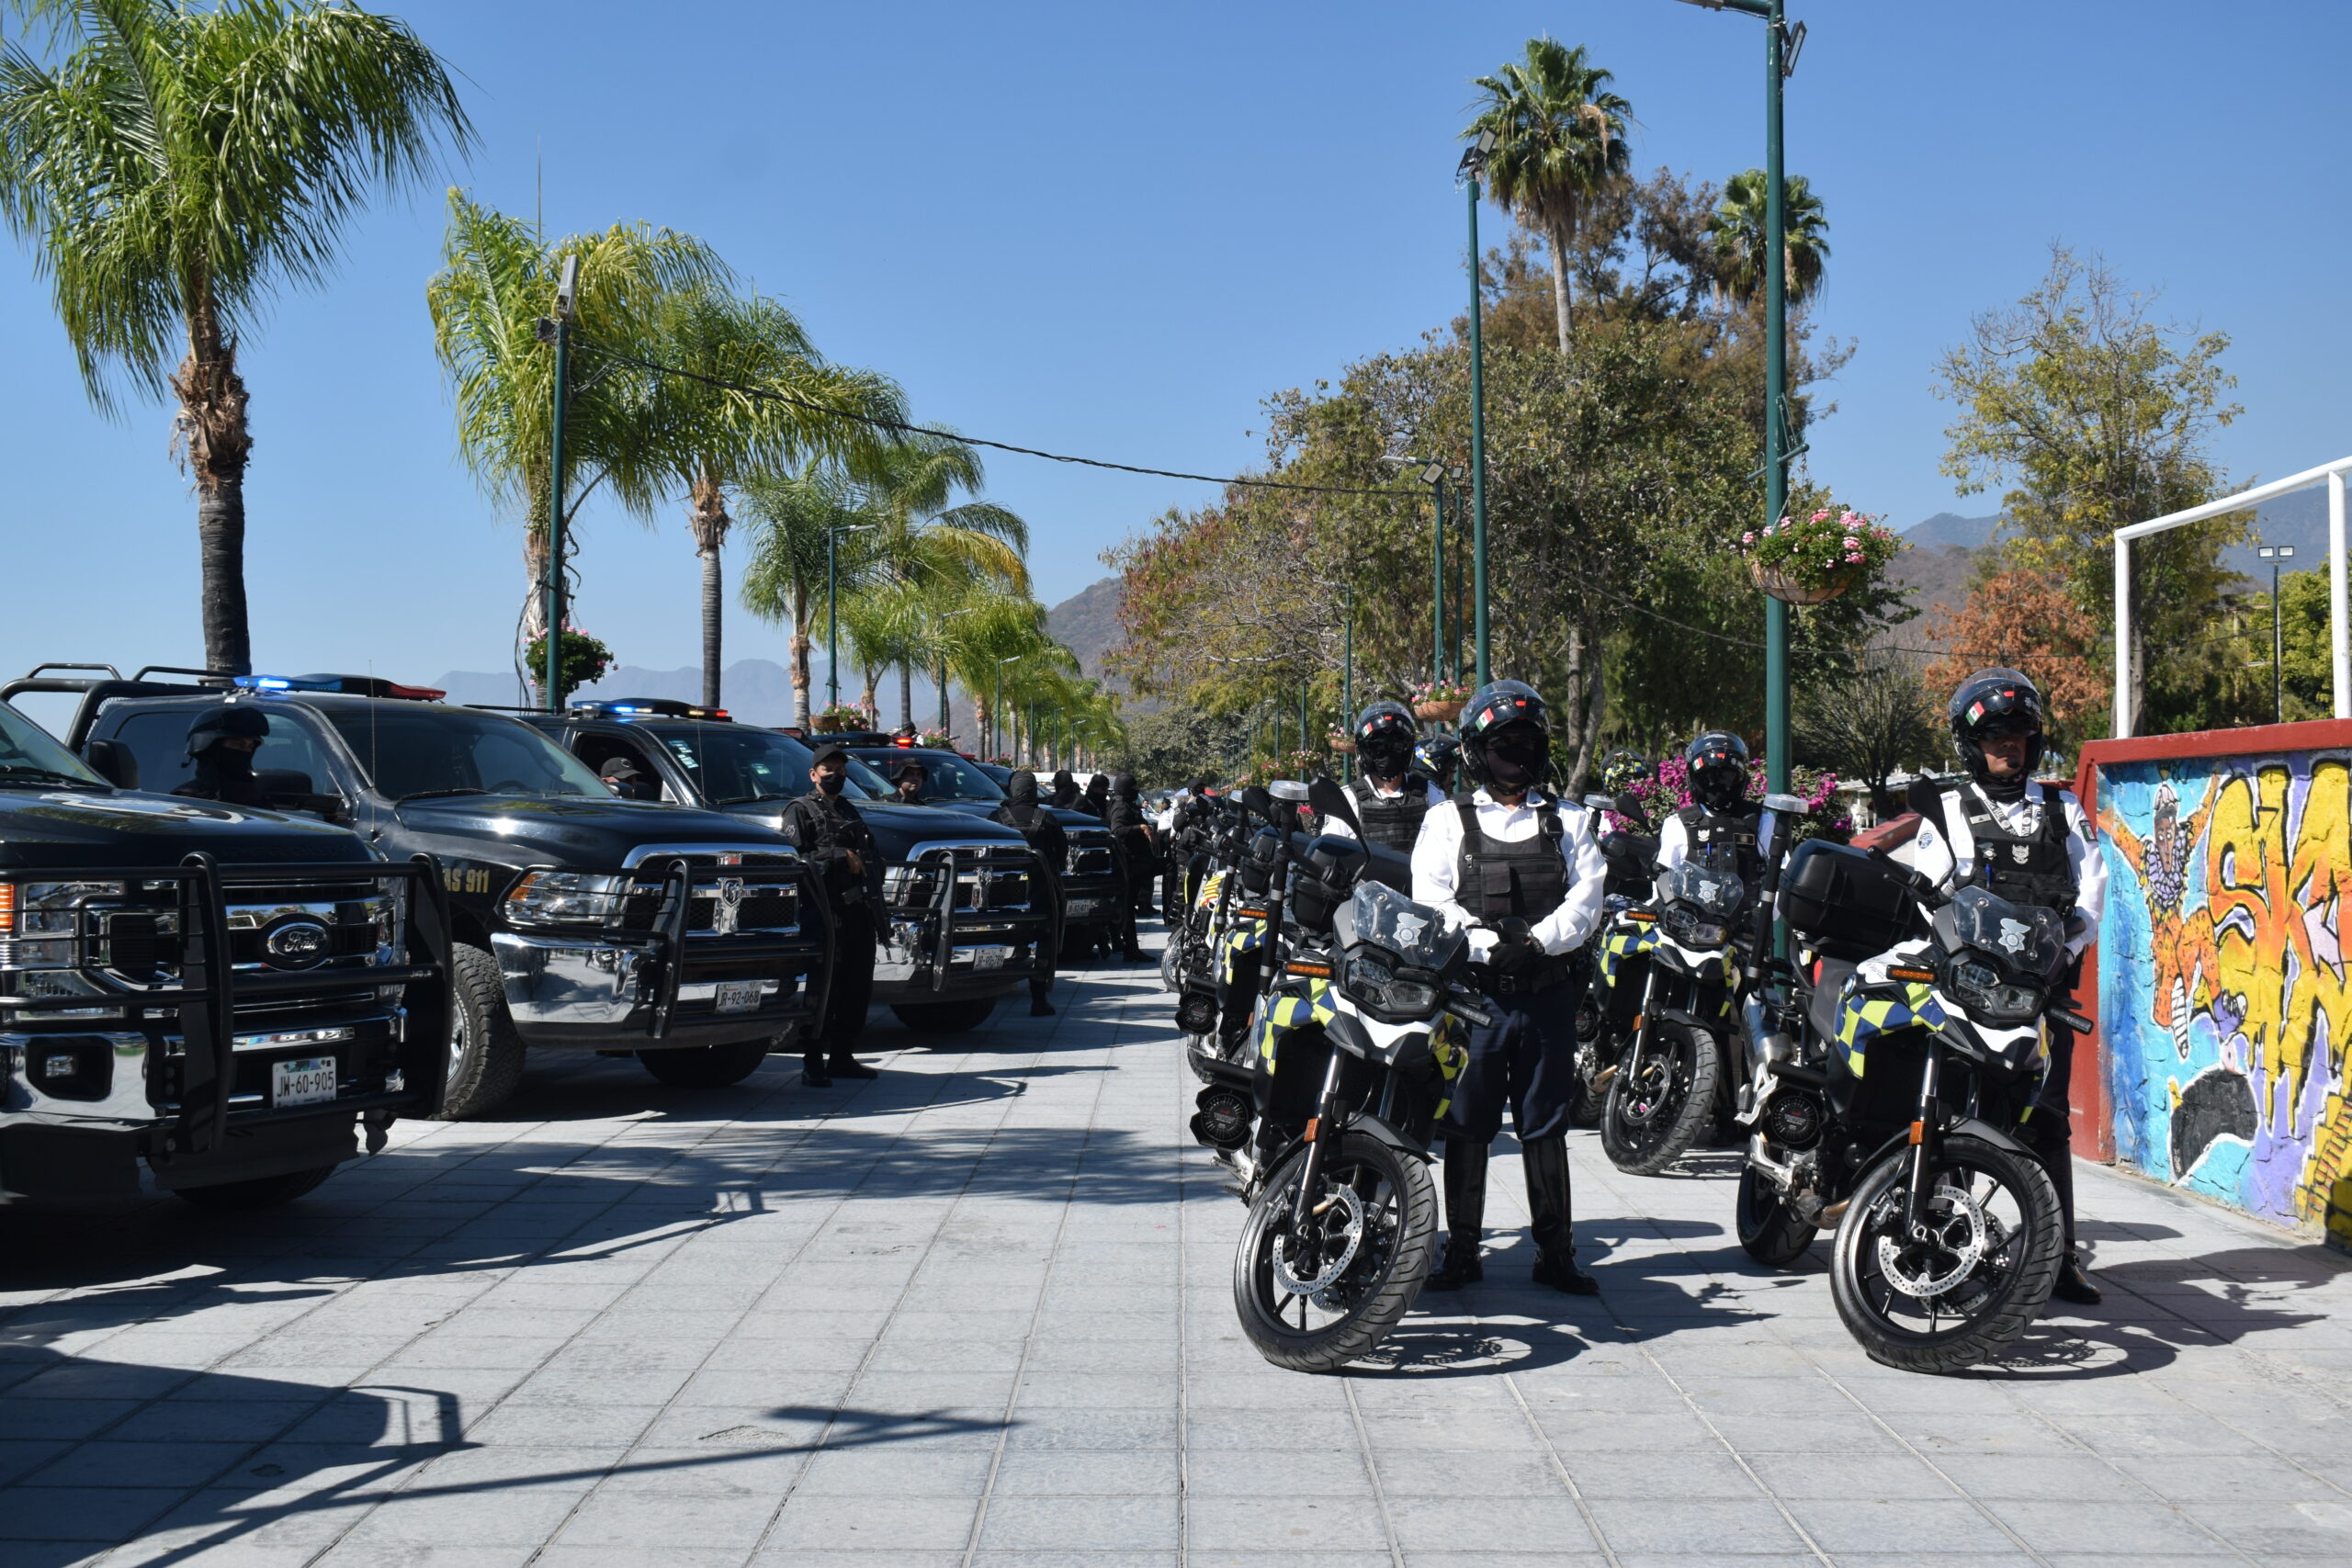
1319	1131
1630	1065
1927	1140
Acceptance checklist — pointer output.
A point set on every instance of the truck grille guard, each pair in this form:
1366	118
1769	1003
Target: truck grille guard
948	863
677	941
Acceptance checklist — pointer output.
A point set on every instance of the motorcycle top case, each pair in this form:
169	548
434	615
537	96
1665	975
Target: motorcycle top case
1847	903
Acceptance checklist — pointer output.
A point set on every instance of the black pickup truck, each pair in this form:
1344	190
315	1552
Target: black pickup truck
952	782
225	996
963	926
694	940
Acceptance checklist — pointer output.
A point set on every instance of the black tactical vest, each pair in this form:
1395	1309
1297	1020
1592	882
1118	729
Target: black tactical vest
1393	821
2032	867
1724	840
1527	878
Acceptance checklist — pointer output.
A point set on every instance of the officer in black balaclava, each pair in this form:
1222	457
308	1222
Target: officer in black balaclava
1131	849
832	837
1096	801
1065	793
1045	836
1719	828
1391	798
223	740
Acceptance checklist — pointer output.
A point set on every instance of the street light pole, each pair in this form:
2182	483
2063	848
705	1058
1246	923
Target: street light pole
1472	168
1348	680
2274	554
558	332
1434	473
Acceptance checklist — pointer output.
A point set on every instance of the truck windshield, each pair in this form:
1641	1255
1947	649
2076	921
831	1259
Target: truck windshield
946	776
733	766
28	756
418	749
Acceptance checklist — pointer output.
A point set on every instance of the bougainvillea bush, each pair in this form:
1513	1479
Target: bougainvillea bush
1668	790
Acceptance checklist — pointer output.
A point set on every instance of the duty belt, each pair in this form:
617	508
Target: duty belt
1552	969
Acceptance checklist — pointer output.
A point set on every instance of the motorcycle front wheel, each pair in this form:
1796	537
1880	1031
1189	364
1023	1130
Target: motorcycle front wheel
1314	1304
1960	1296
1658	1106
1768	1229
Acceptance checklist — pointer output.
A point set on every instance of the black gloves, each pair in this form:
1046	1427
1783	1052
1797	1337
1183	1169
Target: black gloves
1516	950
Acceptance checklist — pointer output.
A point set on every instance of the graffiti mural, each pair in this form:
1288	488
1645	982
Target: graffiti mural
2224	1006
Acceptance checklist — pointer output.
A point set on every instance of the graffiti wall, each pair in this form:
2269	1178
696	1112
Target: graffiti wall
2224	1004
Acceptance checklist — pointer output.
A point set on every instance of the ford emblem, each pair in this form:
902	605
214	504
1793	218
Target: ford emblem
296	944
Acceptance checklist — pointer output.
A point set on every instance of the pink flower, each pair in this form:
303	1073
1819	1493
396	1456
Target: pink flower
1856	559
1749	537
1821	516
1852	543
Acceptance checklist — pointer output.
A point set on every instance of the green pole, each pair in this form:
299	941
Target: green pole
1348	681
555	493
1304	729
1437	593
1476	164
1776	376
942	693
833	621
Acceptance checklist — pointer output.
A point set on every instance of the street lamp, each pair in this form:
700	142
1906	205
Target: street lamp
2274	554
996	707
558	332
1780	46
1468	173
1433	475
833	611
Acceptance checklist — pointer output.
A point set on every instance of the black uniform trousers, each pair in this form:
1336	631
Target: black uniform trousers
853	984
2049	1131
1525	1059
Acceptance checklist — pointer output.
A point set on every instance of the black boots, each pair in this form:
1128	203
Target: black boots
2073	1282
1547	1208
1464	1169
818	1070
813	1073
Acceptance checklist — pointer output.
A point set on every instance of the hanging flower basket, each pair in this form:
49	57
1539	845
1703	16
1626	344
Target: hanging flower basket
1814	558
1342	743
1786	589
1438	711
842	721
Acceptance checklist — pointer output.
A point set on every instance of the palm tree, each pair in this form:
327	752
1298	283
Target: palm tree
717	430
1560	138
1738	232
176	166
792	514
498	279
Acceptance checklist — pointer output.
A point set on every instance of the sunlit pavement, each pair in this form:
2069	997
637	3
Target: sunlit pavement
978	1311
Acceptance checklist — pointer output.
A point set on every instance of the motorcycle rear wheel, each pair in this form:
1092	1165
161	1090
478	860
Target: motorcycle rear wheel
2004	1242
1768	1229
1656	1114
1387	1238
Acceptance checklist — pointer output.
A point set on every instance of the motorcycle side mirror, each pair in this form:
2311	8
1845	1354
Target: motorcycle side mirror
1329	800
1786	805
1255	798
1600	803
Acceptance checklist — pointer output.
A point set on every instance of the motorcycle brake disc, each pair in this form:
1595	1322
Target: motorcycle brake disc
1347	1229
1961	1235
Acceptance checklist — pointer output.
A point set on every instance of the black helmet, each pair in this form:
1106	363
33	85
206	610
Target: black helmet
1995	702
1716	764
1622	770
1437	756
1384	734
1496	707
227	722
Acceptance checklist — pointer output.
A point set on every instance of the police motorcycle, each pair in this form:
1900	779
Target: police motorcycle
1604	1013
1205	847
1239	907
1359	1041
1949	1232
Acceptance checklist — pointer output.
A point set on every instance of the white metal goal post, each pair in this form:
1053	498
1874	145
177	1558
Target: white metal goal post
2330	474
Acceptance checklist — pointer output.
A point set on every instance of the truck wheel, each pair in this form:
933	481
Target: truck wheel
944	1018
260	1193
486	1053
708	1067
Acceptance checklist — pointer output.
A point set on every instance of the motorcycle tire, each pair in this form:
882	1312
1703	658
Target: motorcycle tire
1990	1313
1592	1021
1646	1126
1770	1230
1390	1250
1171	965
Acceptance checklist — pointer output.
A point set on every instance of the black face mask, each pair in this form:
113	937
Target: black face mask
831	783
1514	761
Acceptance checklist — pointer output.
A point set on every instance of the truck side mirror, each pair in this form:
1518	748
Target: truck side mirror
113	761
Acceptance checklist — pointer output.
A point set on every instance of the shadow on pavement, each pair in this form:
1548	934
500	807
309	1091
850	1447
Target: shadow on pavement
2153	1312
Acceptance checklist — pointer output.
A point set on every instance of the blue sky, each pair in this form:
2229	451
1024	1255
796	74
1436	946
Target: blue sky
1113	230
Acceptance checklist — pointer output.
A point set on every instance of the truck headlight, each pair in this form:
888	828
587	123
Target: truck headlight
565	898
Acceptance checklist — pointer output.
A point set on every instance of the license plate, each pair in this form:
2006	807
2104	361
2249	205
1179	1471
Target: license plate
306	1080
1079	908
991	957
738	996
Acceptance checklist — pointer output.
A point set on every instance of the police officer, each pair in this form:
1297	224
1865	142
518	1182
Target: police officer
1523	871
908	778
832	837
2019	841
1124	815
223	740
1718	828
1439	758
1045	836
1391	798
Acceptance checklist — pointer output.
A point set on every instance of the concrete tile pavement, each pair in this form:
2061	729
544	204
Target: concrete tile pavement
978	1312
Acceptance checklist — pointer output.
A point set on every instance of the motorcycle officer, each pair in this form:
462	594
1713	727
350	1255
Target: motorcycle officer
1523	871
1390	799
829	832
223	740
1439	758
1718	828
2019	841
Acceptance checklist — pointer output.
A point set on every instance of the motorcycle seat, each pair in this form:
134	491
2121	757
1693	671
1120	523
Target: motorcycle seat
1821	1011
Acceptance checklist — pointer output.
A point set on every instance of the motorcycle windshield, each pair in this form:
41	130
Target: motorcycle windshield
2028	938
1712	893
1417	934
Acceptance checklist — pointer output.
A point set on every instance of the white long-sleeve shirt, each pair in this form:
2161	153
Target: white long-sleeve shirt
1437	859
1674	845
1340	830
1949	860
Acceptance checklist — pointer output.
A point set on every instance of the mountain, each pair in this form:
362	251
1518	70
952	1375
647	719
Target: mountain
1946	529
1088	624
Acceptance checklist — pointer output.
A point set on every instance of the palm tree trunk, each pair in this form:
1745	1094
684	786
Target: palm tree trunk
212	433
707	520
906	694
1560	309
873	708
800	641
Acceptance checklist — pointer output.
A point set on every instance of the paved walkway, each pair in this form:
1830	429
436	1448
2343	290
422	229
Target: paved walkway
978	1312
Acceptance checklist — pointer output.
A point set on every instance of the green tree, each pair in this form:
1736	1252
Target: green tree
792	514
498	279
2097	417
1736	234
172	167
1560	140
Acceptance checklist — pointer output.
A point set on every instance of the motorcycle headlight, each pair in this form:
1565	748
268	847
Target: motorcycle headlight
1412	996
1688	927
1980	988
1708	934
565	898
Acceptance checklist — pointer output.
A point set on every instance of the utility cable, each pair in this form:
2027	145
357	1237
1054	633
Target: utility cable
901	426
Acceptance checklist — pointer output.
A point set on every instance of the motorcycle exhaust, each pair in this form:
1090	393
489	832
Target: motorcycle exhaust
1223	1117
